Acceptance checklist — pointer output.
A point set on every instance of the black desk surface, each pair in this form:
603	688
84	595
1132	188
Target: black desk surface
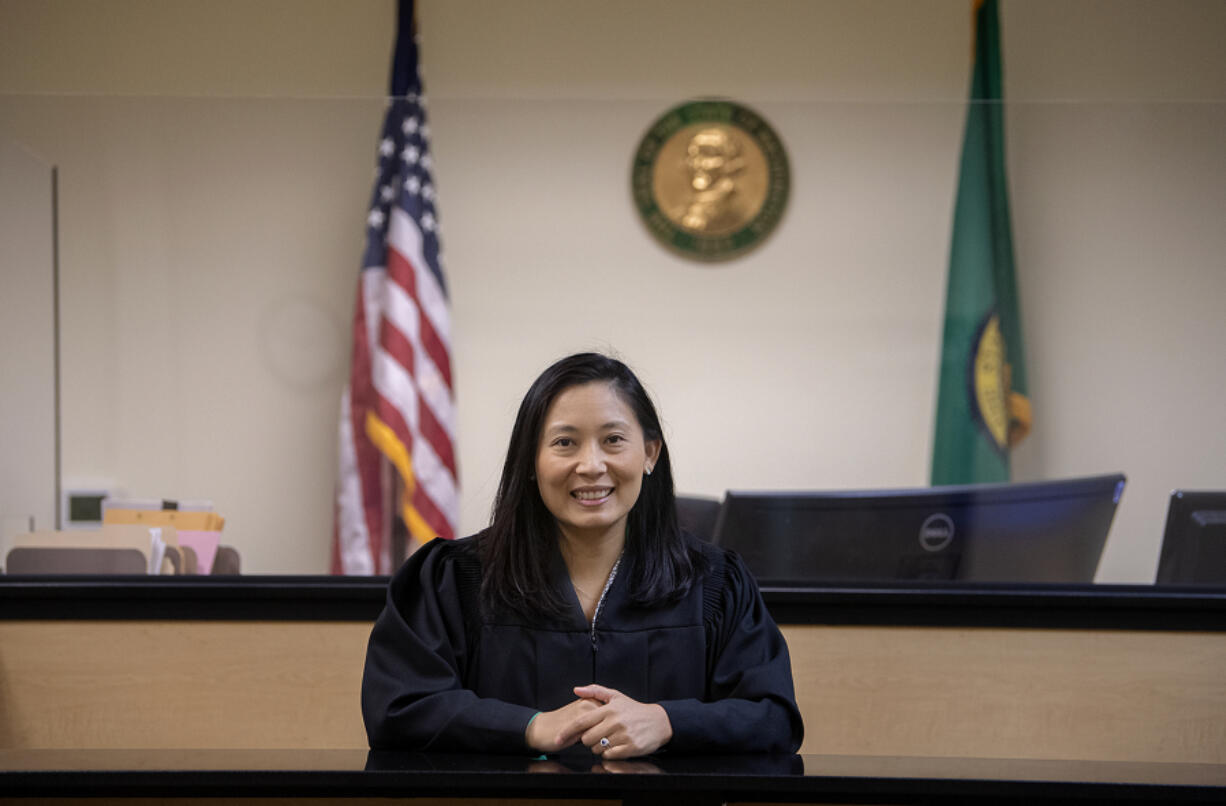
1128	607
666	779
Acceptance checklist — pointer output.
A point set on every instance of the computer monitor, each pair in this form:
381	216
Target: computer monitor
1194	541
1048	531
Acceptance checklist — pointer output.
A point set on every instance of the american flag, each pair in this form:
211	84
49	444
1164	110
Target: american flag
397	423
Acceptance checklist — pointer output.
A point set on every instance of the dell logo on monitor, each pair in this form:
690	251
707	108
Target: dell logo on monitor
937	532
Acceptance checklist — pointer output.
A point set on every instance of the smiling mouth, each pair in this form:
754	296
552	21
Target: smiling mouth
592	495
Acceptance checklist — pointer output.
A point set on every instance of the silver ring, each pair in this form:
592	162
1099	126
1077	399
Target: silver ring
604	742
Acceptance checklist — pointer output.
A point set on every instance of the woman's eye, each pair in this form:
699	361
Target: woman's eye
616	438
563	442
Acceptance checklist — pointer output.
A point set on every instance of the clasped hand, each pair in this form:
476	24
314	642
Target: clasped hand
632	728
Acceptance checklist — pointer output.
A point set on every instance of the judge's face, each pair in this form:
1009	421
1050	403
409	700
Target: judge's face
590	461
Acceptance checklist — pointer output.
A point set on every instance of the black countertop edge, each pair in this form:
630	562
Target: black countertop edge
665	788
326	598
1132	607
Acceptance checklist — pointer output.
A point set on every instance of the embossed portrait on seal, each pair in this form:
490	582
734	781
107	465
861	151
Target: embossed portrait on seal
710	179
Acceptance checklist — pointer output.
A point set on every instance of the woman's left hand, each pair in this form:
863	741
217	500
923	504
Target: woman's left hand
632	728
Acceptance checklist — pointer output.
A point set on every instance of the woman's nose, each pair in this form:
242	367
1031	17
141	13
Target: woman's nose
591	460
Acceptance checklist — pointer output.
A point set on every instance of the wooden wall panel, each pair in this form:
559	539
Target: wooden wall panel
1108	695
190	684
1012	693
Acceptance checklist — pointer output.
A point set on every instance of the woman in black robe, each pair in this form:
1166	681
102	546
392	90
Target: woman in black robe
582	615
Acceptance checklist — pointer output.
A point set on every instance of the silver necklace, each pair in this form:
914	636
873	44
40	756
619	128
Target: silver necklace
605	592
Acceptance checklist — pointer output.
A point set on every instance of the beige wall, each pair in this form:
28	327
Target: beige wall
27	294
214	160
214	175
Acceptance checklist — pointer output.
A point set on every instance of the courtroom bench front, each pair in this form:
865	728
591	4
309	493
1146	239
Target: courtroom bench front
1108	673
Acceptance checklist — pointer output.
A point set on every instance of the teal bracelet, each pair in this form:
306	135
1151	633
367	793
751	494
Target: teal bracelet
542	756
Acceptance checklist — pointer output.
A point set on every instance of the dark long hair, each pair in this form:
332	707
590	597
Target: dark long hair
516	550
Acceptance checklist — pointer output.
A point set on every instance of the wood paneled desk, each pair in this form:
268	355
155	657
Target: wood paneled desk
1111	674
351	776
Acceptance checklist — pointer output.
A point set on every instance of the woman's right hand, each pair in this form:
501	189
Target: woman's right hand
545	732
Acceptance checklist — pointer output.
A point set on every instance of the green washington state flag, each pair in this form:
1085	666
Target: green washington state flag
982	408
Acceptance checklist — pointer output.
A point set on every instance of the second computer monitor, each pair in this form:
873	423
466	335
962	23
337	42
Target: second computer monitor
1194	541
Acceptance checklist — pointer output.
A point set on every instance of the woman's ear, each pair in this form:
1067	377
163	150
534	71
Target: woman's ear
653	454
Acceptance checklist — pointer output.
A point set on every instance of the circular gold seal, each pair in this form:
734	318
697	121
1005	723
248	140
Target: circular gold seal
710	179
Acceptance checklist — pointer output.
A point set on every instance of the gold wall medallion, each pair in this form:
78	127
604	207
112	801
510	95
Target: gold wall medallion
710	179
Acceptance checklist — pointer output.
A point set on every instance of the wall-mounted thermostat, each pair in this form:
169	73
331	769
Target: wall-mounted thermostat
82	509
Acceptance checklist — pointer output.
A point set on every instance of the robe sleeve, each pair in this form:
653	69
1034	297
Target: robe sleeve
751	705
413	697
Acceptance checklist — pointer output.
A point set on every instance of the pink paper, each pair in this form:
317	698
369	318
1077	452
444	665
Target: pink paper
205	545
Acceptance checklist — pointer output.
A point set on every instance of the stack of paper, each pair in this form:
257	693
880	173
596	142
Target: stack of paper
196	524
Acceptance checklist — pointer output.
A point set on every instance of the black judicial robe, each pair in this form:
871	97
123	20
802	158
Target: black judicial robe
443	676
